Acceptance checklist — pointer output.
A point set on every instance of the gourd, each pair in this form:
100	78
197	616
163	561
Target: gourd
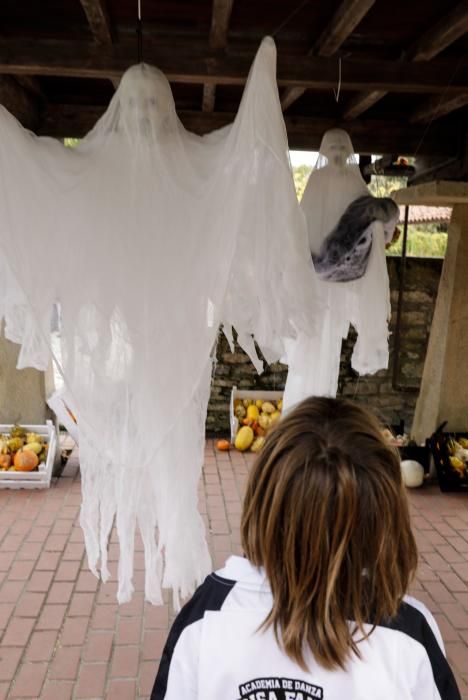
257	444
412	473
25	460
223	445
252	412
244	438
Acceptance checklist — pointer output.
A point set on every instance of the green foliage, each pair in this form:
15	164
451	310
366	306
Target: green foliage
71	143
301	175
421	244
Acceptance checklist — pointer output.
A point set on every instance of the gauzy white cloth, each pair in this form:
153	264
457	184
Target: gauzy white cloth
314	360
149	237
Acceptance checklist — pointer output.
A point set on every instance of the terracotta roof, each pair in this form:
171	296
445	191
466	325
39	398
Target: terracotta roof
426	215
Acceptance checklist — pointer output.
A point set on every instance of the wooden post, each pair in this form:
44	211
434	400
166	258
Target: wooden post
22	392
443	396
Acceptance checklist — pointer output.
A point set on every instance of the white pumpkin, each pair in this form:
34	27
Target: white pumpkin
412	473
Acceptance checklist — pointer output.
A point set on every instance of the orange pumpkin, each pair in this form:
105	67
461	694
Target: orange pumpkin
5	461
26	460
223	445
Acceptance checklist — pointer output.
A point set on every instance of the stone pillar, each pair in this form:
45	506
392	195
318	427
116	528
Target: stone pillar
444	388
22	392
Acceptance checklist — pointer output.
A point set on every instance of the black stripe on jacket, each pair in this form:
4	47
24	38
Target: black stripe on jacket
209	596
413	623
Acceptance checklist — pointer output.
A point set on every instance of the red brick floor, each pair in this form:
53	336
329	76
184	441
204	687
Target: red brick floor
63	636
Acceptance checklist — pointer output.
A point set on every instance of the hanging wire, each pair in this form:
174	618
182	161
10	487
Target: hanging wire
338	89
139	33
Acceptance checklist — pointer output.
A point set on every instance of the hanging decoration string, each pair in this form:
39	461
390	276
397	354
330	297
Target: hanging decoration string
338	89
139	34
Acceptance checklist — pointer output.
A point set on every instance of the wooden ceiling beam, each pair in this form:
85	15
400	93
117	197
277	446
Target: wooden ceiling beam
98	19
369	136
430	44
220	18
88	60
20	102
342	24
435	107
99	22
453	26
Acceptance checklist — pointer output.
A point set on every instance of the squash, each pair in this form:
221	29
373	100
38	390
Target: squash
26	460
244	438
5	461
253	412
259	404
264	421
268	407
247	402
223	445
257	444
275	416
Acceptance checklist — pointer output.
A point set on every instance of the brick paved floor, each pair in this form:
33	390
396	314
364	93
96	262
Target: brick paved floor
63	636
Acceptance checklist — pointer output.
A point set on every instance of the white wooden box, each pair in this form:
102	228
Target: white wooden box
39	479
255	394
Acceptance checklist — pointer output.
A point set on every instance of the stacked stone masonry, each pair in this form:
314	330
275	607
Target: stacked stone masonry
393	405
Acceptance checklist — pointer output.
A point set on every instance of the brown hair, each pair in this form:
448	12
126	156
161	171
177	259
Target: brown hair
326	515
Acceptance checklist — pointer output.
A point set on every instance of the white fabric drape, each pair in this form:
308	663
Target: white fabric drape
314	360
150	237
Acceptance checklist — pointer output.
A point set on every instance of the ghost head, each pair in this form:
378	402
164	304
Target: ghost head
145	101
336	147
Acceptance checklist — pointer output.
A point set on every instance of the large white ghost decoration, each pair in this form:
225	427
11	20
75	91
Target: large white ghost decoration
347	231
149	237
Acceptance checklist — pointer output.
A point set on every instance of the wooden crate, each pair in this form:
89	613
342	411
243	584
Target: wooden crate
254	394
41	478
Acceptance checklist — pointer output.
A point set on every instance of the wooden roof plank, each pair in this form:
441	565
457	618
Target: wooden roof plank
430	44
88	60
369	136
450	28
435	107
346	18
220	18
98	19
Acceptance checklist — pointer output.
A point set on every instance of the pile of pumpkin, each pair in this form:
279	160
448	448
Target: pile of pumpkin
255	419
21	451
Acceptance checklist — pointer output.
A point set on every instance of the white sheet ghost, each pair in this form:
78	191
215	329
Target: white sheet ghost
150	237
314	361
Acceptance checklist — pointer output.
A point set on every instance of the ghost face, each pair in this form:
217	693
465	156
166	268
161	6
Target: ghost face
336	146
145	100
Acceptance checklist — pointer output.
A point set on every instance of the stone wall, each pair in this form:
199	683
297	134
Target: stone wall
421	284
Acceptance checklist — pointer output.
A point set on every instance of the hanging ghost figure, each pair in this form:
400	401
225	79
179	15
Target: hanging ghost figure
149	237
347	229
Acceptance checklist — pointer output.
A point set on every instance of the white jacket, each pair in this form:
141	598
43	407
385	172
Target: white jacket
215	652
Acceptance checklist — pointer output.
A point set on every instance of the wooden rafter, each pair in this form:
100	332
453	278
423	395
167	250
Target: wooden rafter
98	20
430	44
220	18
368	136
18	101
453	25
87	60
434	108
346	18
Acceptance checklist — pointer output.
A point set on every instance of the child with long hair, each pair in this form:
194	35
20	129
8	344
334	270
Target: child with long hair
318	607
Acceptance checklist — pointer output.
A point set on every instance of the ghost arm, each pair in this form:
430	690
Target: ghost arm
30	227
271	291
371	309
